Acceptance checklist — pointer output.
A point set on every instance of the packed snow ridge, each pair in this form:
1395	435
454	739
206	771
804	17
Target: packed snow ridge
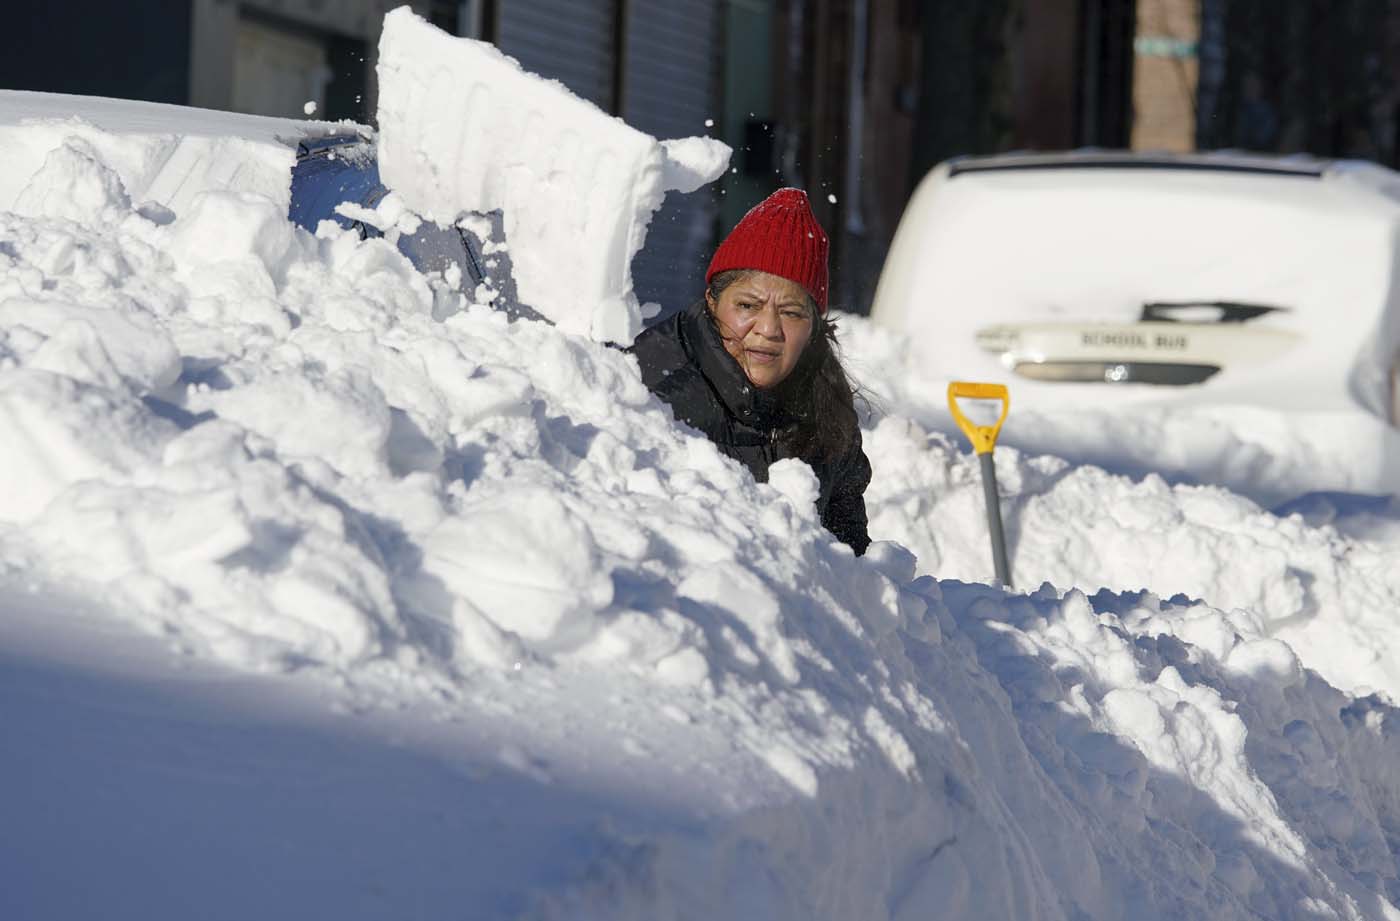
294	454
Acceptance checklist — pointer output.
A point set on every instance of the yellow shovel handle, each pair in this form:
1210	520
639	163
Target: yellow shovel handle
983	437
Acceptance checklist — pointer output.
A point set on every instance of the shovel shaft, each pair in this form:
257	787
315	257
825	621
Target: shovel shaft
993	497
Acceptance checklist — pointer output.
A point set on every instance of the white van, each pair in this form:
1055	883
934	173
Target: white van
1094	277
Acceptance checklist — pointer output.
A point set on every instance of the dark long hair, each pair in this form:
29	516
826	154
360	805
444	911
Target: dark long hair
818	394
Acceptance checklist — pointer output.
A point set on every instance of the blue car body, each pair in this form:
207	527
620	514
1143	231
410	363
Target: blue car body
333	170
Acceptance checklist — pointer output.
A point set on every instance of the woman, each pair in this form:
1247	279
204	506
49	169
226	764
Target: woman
753	364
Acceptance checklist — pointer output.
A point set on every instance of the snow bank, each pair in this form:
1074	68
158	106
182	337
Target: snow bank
1329	595
663	689
1207	751
464	129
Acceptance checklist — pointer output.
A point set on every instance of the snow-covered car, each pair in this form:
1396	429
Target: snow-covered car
336	178
1211	278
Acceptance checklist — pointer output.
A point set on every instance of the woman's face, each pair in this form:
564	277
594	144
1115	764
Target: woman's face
765	321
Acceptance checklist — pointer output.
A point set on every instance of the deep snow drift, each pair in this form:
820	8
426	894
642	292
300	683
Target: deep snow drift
292	568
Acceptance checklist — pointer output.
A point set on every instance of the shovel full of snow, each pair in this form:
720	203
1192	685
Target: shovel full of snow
984	441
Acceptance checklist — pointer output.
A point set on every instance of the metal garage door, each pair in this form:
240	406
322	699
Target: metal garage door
566	40
670	87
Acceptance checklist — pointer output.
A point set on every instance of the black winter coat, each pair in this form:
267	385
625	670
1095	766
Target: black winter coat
684	363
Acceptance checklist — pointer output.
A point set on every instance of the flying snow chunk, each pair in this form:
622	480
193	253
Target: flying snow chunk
692	162
463	128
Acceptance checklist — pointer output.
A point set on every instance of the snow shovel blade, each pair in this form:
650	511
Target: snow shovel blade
984	440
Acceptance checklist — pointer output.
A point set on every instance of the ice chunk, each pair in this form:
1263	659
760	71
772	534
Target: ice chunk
59	431
227	227
528	563
796	481
74	184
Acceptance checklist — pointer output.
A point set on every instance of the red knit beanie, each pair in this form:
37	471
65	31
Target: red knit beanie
780	235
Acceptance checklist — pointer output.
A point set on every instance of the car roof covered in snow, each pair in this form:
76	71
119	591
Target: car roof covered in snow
134	116
164	154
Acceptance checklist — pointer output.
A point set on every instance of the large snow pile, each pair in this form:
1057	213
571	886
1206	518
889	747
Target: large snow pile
464	129
1332	595
529	650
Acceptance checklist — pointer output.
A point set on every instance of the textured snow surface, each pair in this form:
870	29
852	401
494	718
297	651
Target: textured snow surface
314	605
1328	593
464	129
164	155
